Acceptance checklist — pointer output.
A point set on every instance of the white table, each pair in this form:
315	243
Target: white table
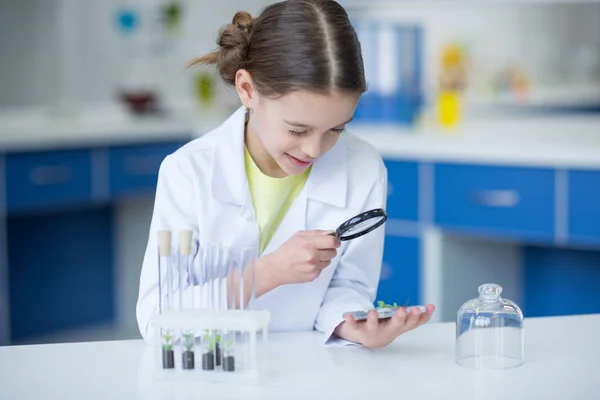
562	356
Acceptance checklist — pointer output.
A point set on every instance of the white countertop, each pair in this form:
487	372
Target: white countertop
562	356
552	141
38	128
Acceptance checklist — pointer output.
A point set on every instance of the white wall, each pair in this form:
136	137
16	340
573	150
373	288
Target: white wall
30	58
556	43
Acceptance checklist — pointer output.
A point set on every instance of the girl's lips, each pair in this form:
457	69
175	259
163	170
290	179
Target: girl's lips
297	162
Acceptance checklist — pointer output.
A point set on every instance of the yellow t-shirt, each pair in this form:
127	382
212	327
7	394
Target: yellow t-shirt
271	197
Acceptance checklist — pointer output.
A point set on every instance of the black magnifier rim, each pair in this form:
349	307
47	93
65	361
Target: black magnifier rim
375	213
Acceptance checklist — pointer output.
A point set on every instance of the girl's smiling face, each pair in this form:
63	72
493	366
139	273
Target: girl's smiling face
287	134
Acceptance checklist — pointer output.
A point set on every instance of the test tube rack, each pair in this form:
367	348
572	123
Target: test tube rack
206	329
247	324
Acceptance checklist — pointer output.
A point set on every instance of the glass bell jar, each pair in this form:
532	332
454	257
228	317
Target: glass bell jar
489	331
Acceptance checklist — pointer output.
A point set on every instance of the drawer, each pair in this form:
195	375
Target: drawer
403	190
48	179
584	206
508	201
134	168
399	281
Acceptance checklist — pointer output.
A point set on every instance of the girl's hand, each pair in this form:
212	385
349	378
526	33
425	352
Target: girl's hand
302	257
375	333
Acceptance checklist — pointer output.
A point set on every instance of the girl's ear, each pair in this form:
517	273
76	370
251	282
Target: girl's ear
245	88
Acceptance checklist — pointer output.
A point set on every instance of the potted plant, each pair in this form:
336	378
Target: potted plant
187	356
168	357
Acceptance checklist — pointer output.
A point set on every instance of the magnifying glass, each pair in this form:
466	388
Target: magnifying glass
361	224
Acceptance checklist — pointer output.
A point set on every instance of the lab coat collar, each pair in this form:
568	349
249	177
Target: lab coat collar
327	182
229	181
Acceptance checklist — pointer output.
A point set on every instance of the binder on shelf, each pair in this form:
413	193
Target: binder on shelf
393	57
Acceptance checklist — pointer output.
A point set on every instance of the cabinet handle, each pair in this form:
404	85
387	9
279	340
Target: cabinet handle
50	175
496	198
142	166
390	189
386	271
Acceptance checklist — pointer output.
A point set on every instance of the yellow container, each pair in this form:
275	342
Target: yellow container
449	109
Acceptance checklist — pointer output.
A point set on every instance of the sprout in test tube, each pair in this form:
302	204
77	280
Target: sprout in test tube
212	350
187	357
228	358
168	357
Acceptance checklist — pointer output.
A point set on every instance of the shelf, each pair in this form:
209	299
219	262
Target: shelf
567	98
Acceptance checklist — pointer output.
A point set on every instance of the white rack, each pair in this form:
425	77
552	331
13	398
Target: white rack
247	323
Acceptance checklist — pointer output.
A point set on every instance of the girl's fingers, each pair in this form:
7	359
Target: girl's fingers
413	318
352	323
399	319
372	321
425	317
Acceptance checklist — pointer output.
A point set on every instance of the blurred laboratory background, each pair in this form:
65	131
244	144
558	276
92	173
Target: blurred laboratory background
487	115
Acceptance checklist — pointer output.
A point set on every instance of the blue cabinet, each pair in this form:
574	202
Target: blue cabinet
399	281
584	206
61	271
560	281
43	180
134	168
403	190
509	201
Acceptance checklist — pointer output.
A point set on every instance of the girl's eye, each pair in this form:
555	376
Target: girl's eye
295	133
338	130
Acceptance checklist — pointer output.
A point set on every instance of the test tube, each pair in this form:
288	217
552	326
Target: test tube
245	267
164	296
227	343
186	301
209	337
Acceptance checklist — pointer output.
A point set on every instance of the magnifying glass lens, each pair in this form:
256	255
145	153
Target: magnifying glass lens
361	226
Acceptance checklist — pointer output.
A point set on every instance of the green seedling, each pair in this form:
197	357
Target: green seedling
188	341
227	344
382	304
211	340
168	345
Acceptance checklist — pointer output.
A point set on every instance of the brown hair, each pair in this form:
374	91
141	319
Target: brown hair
293	44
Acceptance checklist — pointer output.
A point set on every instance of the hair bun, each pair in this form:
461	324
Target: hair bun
244	21
234	46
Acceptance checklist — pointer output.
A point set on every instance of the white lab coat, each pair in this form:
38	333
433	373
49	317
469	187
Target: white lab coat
203	187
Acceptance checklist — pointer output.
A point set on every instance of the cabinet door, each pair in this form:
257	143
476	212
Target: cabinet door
403	190
584	206
400	279
4	316
560	281
61	277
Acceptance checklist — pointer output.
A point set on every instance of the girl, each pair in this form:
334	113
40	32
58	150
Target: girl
280	173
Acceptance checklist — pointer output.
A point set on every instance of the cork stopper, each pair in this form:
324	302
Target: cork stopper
164	243
185	242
